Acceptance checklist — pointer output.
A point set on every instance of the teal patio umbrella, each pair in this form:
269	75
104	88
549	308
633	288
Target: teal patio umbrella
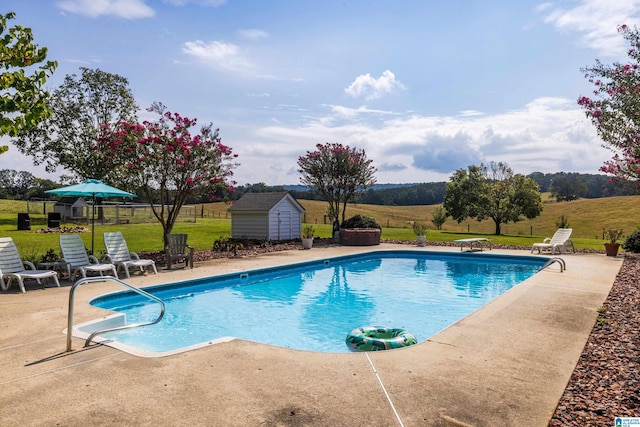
91	188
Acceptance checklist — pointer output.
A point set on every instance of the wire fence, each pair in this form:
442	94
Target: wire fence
105	213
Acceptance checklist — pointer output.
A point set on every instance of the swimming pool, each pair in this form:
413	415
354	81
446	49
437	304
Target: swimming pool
313	305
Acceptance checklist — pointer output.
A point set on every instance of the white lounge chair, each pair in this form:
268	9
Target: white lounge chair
78	261
13	267
119	255
559	241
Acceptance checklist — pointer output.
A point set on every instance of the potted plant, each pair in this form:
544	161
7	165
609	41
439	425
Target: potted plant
420	231
612	235
307	236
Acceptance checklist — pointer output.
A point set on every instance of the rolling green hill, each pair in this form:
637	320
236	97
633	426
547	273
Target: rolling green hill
587	217
208	222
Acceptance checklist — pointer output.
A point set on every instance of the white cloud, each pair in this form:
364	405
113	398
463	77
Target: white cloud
597	20
219	54
372	88
253	34
351	113
214	3
259	95
546	135
470	113
224	56
127	9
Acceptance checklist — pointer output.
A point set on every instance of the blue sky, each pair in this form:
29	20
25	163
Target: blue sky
425	87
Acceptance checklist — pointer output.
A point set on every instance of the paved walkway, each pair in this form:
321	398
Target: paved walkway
504	365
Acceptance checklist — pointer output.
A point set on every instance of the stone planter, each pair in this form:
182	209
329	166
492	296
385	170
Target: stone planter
611	249
422	241
307	243
359	236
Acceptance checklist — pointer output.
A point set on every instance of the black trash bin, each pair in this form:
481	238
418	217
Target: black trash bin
53	219
24	221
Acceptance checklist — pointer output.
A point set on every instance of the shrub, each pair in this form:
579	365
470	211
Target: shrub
439	217
308	231
632	242
50	256
225	244
562	222
419	229
361	221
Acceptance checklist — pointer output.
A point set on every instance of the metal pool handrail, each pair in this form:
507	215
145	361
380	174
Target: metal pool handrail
105	279
563	265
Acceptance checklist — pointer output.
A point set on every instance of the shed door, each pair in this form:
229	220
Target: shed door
284	225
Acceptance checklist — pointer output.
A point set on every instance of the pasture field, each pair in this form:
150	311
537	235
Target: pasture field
206	223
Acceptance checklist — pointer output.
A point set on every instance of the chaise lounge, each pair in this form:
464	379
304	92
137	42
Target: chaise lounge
119	255
559	241
78	261
13	267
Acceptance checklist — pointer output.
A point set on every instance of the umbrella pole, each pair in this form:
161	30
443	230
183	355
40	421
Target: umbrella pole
93	221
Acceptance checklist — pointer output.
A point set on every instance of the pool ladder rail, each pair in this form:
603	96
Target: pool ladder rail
551	261
102	331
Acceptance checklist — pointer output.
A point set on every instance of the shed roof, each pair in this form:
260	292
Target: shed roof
262	202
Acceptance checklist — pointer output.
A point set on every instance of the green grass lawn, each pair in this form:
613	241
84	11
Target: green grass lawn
586	217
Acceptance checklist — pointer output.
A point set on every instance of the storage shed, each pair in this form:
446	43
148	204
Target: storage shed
266	216
71	207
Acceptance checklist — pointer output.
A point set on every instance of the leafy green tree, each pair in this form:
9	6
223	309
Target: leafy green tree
492	191
168	163
22	100
339	173
566	187
15	184
84	109
439	217
614	109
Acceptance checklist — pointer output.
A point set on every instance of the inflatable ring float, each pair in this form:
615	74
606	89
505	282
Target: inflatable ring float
374	338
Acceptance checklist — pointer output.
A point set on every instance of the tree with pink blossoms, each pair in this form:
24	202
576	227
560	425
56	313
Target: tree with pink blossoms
614	109
338	172
168	162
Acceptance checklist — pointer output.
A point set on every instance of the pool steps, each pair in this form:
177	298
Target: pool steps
114	328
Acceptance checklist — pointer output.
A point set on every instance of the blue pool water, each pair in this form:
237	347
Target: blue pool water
312	306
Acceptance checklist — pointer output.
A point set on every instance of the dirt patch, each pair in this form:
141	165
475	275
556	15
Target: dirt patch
78	229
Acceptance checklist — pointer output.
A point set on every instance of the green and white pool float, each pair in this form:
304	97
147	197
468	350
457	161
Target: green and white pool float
374	338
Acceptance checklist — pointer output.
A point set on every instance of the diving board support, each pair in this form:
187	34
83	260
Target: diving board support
477	241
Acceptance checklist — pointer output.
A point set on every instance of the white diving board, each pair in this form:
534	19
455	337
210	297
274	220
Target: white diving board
474	243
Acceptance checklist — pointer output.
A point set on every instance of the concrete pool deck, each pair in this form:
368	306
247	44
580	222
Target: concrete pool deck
506	364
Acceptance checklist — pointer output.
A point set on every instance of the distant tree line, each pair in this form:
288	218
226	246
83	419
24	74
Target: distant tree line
23	185
565	186
562	186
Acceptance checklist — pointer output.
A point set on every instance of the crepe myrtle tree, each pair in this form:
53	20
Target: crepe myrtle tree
492	191
22	100
338	172
168	161
613	109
